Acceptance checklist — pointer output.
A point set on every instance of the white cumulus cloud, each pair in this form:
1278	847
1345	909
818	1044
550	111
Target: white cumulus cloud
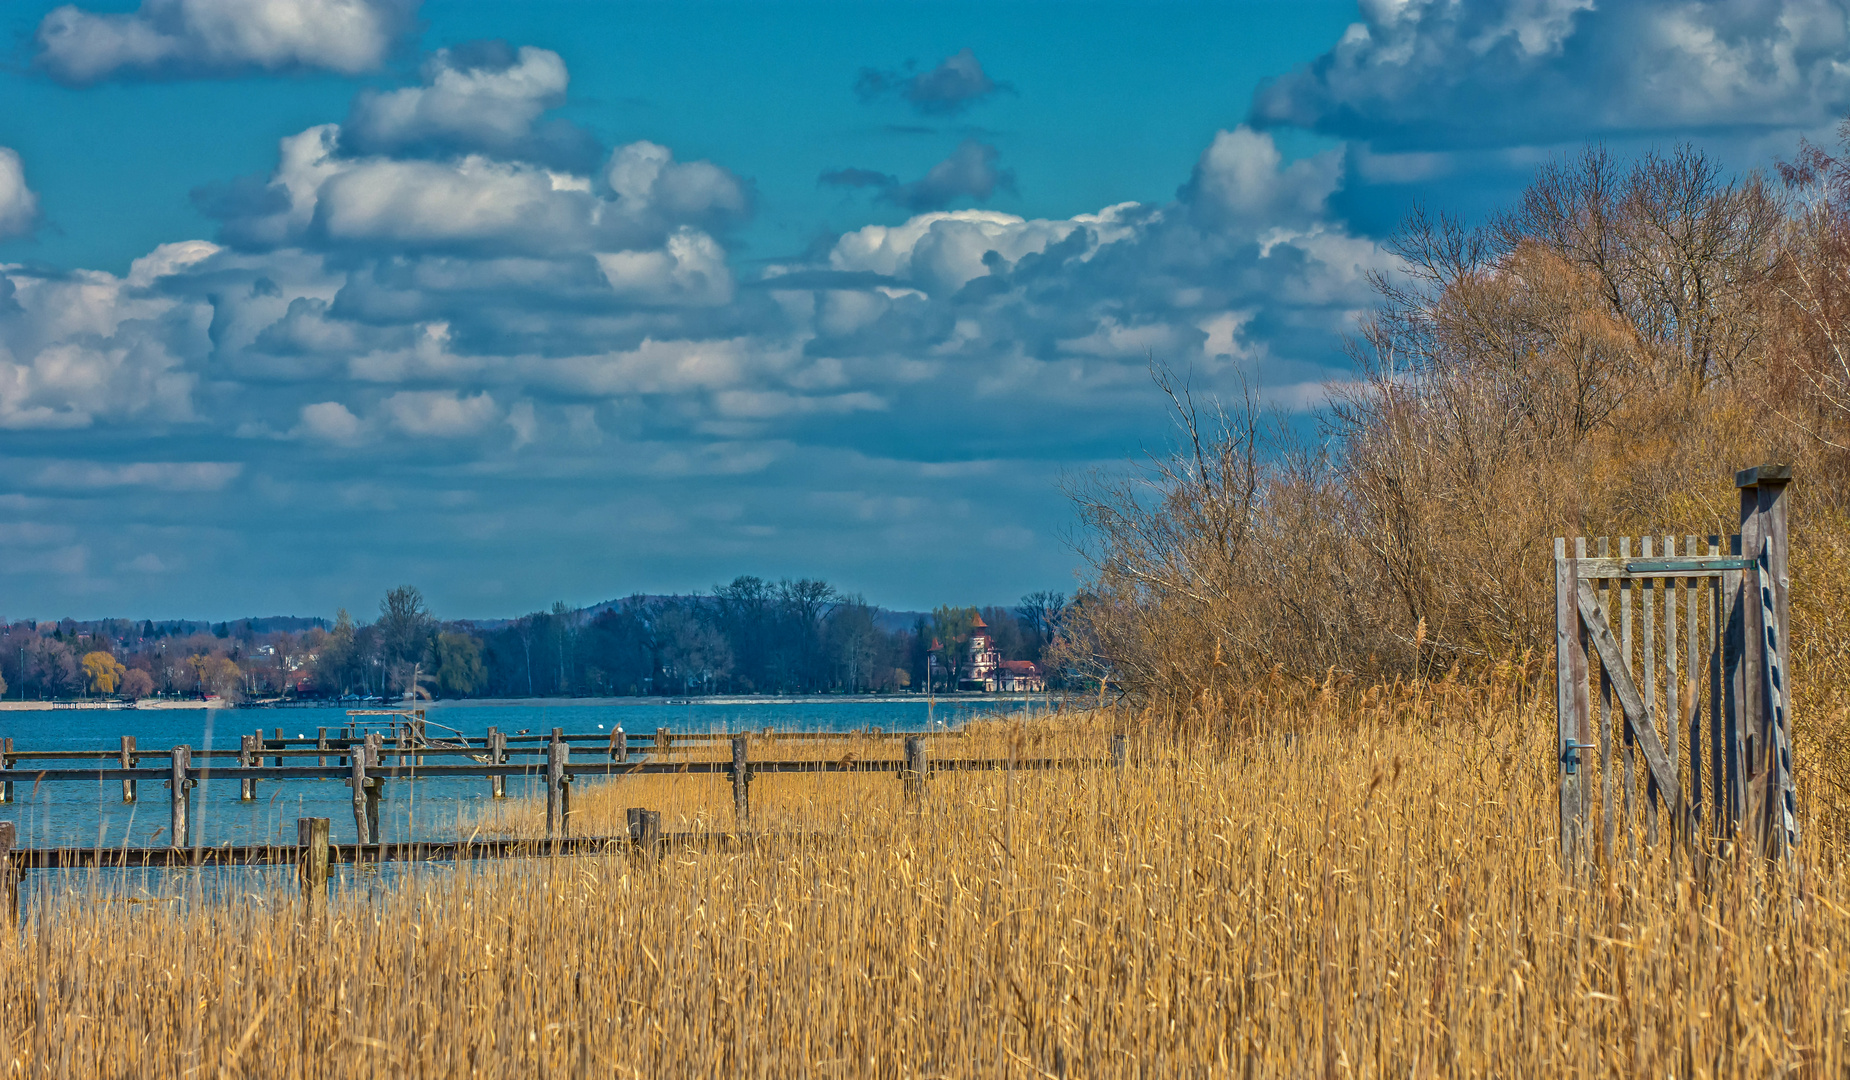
181	38
19	205
439	413
1509	72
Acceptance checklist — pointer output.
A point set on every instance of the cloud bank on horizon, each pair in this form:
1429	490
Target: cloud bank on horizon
494	353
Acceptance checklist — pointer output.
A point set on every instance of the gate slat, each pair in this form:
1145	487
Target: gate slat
1607	821
1627	692
1692	597
1647	595
1568	650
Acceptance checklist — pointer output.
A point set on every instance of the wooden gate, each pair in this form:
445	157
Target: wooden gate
1684	653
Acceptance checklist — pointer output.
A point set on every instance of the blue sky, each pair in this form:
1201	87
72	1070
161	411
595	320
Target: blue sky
301	299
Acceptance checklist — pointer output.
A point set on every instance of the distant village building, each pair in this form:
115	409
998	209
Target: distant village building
984	669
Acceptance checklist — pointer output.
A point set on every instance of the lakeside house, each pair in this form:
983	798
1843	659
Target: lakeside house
984	669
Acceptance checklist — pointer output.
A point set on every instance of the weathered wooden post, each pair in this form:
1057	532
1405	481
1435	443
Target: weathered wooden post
741	783
311	834
375	790
6	770
129	761
9	879
180	798
321	744
619	745
1772	803
663	741
363	821
417	736
497	755
278	734
645	829
247	789
913	776
555	784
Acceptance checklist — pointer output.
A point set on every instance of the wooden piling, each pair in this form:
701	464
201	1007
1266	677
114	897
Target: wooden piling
180	796
321	743
619	745
278	735
645	829
916	765
497	755
129	761
312	858
555	784
247	789
357	780
375	788
6	770
9	880
741	781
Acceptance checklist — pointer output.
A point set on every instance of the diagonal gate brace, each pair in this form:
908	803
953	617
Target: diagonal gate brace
1594	618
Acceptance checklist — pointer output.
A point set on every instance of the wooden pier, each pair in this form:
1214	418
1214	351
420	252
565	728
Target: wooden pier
367	765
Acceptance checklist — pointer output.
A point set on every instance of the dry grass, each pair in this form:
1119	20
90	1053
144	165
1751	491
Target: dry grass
1378	897
698	802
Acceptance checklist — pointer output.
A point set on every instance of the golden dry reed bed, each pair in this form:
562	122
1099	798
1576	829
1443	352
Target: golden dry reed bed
1380	896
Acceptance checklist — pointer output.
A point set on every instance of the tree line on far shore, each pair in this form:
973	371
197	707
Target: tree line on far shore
751	635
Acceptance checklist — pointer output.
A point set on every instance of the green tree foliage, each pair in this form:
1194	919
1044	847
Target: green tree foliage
458	659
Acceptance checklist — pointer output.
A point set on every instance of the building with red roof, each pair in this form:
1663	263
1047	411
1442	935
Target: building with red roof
984	669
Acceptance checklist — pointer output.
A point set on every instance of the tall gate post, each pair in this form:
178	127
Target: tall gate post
1770	810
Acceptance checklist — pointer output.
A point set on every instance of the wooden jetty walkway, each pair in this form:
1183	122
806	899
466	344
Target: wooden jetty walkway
367	764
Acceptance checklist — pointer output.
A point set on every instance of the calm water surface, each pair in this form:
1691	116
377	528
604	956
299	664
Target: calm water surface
80	813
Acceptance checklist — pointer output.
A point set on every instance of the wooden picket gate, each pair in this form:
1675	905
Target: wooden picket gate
1705	669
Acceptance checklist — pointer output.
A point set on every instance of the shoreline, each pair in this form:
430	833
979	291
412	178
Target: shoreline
1048	700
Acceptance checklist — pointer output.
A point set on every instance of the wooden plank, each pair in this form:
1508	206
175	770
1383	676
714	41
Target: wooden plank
1583	703
1629	699
1608	820
1568	721
1647	597
1718	692
1605	569
1627	813
1673	744
1734	715
1692	606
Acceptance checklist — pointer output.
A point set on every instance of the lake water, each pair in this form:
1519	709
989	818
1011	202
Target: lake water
75	813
